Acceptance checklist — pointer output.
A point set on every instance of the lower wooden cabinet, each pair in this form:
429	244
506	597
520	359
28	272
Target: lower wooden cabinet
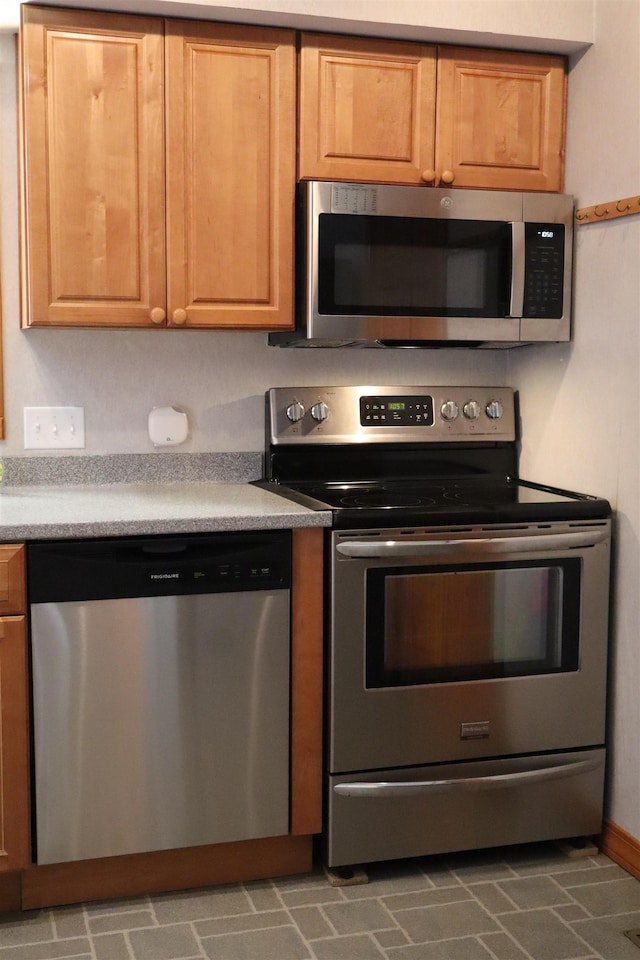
14	747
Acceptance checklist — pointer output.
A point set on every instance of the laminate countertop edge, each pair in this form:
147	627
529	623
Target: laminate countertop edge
37	512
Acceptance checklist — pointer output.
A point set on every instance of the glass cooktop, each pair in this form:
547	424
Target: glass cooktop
415	501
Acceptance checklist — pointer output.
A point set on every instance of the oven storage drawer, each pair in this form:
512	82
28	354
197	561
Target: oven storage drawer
384	815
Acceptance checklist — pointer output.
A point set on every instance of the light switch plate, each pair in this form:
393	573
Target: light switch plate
53	428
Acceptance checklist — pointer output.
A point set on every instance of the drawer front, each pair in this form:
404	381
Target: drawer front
12	579
465	806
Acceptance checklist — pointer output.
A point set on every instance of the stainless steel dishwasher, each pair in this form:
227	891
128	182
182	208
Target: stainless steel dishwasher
160	671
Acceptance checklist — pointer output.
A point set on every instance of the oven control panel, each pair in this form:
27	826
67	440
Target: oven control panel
389	414
400	411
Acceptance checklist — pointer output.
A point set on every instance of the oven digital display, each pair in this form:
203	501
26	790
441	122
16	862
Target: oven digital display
396	411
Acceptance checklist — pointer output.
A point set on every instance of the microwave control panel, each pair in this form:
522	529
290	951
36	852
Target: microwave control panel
544	270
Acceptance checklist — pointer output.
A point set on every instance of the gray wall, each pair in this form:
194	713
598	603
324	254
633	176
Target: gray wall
580	403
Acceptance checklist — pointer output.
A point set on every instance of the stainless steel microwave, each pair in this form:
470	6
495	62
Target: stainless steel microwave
385	265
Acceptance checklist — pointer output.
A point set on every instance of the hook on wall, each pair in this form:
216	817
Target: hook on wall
607	211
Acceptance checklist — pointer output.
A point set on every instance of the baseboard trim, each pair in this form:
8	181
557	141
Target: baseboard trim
621	846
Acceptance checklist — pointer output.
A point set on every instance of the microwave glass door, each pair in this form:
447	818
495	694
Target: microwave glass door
411	266
471	622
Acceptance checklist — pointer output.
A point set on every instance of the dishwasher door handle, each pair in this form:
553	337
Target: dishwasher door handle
404	788
433	549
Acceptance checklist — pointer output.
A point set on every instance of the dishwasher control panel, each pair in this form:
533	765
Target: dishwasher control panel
157	566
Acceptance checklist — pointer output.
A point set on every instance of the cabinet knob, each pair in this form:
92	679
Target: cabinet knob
179	316
448	176
157	315
428	176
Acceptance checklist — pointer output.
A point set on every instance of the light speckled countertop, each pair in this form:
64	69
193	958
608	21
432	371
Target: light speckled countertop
125	509
152	495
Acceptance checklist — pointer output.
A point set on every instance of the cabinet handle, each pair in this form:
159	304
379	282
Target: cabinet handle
179	316
157	315
428	176
448	176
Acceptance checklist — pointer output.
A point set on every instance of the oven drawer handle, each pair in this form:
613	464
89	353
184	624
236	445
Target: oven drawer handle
381	789
435	548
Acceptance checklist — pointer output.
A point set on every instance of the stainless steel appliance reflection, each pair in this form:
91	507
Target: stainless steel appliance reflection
466	623
160	692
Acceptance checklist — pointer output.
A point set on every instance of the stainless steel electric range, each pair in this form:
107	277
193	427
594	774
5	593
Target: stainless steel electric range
466	621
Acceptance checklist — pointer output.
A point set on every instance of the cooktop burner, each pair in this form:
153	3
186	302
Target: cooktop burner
378	456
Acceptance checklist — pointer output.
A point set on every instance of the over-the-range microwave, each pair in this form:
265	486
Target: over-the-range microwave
388	265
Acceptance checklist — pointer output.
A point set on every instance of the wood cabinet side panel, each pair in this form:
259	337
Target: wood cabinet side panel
92	167
14	749
501	118
230	174
366	108
306	682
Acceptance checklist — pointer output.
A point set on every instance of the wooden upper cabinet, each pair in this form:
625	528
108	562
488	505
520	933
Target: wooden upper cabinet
377	110
126	119
367	109
230	174
92	167
501	118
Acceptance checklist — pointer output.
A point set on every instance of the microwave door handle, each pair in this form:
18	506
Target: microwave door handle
432	549
404	788
516	304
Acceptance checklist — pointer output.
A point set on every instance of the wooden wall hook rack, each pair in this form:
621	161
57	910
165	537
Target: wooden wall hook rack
608	211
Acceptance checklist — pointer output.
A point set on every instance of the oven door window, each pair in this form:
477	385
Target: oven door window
407	266
447	624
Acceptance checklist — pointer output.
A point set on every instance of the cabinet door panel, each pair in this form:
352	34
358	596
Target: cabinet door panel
93	167
366	109
230	171
500	119
14	753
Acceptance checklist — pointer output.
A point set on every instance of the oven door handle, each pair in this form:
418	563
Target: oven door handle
404	788
428	549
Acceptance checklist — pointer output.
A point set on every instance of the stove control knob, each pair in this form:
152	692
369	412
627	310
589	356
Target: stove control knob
471	410
449	410
295	411
320	411
494	409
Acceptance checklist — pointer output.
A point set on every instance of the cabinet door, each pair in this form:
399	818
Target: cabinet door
500	119
92	168
367	109
230	175
14	753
